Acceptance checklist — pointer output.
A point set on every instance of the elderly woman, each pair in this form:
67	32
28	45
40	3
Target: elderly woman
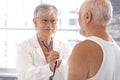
37	57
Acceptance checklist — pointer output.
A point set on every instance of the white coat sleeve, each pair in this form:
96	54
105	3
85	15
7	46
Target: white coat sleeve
26	69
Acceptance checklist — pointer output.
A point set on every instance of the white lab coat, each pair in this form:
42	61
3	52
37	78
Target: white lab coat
31	63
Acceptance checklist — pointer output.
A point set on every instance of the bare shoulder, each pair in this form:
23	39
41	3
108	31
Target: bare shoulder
84	57
85	47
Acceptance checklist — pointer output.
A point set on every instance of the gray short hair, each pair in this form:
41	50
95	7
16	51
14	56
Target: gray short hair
101	10
44	8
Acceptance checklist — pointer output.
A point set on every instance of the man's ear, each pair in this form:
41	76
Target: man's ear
88	16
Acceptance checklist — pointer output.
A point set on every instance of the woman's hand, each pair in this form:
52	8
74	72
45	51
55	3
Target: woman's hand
52	58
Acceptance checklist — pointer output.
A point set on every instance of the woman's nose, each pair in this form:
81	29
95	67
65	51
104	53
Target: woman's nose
49	24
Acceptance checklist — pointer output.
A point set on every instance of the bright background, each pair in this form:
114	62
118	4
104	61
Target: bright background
16	25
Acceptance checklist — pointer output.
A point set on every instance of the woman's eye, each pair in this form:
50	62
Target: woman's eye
45	20
52	20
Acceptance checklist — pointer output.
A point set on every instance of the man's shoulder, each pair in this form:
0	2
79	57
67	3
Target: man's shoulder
87	44
85	48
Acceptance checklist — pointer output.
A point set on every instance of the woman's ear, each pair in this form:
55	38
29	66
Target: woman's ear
35	22
88	16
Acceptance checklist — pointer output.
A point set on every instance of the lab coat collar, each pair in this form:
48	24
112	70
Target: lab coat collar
37	47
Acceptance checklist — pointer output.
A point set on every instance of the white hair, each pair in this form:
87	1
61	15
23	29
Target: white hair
43	9
101	10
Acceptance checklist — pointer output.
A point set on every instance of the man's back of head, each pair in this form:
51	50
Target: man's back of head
101	10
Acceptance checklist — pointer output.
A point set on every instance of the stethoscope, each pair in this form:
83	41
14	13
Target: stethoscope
48	48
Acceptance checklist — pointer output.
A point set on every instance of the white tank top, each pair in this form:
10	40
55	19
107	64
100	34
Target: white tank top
110	67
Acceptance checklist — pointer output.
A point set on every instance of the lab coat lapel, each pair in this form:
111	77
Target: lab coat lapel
37	48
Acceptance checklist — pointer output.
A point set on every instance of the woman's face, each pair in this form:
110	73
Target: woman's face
46	24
